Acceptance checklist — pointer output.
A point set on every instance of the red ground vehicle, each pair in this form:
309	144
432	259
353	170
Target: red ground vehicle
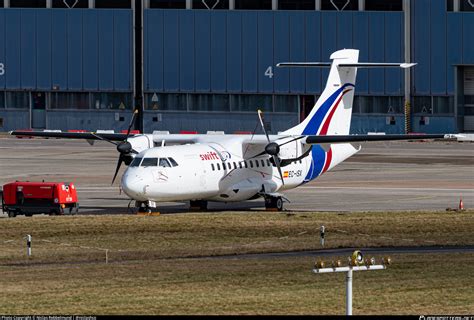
30	198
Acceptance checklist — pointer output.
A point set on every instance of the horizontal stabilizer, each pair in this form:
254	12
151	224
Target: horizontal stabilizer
347	65
369	138
304	64
378	65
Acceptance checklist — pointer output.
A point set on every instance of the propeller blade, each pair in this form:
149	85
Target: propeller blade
297	138
132	121
119	163
277	163
260	116
104	139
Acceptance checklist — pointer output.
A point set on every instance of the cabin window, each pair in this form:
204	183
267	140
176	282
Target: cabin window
136	162
268	163
256	163
246	164
229	165
235	165
173	162
164	163
223	165
251	163
149	162
212	166
218	166
263	163
240	164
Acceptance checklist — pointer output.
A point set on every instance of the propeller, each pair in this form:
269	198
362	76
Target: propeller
272	148
123	147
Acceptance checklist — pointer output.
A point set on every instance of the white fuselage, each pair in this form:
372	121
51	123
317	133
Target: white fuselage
225	171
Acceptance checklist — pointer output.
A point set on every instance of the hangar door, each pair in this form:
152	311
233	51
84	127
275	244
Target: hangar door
469	99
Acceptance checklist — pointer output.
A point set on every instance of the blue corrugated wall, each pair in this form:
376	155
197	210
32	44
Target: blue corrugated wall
74	50
440	40
230	51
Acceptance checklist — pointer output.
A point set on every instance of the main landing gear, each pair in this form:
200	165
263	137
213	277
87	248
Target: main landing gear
273	203
198	205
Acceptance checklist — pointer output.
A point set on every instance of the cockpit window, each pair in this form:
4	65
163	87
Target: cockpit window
149	162
164	163
136	162
173	163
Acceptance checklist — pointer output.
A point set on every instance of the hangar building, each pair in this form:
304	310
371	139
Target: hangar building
199	65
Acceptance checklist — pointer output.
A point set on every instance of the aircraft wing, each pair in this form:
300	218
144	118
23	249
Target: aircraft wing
369	138
72	135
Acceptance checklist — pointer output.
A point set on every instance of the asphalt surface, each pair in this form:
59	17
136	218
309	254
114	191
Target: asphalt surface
349	251
382	177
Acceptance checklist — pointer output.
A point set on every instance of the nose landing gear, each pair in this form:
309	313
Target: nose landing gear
145	206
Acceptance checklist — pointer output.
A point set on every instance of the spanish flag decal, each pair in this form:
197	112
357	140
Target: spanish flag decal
285	174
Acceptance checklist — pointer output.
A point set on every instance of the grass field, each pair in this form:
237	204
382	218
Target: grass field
159	265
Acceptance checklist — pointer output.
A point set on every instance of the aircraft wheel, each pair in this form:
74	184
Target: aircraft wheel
274	203
198	205
11	214
279	203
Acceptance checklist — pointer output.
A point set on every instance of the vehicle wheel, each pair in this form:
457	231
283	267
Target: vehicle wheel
279	203
141	209
11	214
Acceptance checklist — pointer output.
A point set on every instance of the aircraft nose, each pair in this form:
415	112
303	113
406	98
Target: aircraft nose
134	186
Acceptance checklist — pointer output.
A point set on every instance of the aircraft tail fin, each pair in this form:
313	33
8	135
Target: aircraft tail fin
331	115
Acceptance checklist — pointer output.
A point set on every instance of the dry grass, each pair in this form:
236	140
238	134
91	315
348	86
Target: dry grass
151	272
426	284
198	235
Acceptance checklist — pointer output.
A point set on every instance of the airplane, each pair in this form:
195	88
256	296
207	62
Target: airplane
232	167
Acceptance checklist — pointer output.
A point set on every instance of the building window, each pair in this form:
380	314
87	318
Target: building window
115	4
285	103
443	105
339	5
378	104
422	105
467	5
79	4
2	100
296	5
118	101
211	5
38	100
165	101
166	4
385	5
209	102
251	103
253	4
27	3
69	100
17	100
449	5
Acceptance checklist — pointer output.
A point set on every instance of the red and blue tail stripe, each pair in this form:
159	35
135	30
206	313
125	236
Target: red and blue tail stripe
321	160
